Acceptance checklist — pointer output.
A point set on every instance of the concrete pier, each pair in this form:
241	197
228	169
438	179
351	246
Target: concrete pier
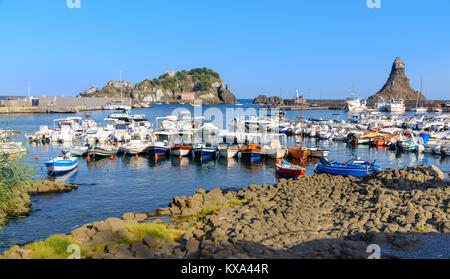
14	105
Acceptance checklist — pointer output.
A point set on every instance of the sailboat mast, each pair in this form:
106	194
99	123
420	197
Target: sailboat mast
301	127
121	85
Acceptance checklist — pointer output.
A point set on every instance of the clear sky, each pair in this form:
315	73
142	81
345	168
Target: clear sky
320	47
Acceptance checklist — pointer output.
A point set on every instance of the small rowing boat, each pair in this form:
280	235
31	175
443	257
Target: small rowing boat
354	167
62	164
288	170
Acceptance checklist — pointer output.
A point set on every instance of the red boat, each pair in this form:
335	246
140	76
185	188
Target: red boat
287	170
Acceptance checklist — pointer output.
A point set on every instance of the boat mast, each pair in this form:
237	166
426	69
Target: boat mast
28	89
301	127
418	93
120	85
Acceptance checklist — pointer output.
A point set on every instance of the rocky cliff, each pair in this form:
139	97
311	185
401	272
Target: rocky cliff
397	86
203	83
264	100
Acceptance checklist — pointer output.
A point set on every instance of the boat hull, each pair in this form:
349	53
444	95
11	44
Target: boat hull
61	166
347	170
158	150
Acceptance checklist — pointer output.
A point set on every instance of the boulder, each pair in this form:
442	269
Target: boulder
437	173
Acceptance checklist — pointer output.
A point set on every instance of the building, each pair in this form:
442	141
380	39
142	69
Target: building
188	96
171	73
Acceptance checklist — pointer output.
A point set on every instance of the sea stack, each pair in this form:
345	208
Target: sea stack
397	86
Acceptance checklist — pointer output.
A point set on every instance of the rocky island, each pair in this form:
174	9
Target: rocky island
172	87
398	85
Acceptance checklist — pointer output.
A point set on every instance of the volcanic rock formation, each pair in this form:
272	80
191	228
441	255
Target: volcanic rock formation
397	86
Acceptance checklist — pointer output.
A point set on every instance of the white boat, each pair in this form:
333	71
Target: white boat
228	151
381	106
135	147
12	148
396	106
78	151
319	152
354	104
420	109
62	164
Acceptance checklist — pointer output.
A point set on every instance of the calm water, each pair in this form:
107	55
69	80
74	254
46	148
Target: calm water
110	188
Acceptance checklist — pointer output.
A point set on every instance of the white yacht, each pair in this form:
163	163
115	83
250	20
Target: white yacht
354	104
396	106
381	105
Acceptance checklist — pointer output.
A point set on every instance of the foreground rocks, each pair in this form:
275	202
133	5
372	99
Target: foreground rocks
318	216
23	198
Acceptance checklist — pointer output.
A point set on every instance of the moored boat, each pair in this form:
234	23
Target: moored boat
251	152
288	170
204	151
181	149
354	167
228	151
62	164
319	152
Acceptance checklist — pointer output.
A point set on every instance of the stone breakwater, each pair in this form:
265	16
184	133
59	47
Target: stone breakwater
23	200
319	216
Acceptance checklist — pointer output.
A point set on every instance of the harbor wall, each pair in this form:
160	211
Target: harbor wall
12	105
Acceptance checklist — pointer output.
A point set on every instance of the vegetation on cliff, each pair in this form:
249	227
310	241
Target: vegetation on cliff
206	84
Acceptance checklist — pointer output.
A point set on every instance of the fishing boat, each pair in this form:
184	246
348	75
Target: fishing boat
437	108
135	147
251	152
181	149
228	151
78	151
204	151
299	152
274	150
381	140
365	139
62	164
104	151
288	170
159	148
319	152
354	167
396	106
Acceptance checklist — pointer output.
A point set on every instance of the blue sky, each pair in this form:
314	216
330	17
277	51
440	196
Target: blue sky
320	47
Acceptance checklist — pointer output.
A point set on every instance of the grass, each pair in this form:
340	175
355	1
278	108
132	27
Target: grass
157	230
54	247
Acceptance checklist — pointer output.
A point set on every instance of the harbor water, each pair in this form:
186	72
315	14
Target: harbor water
109	188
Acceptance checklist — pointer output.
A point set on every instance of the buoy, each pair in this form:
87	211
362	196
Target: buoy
137	156
228	159
156	156
278	160
112	157
201	159
180	157
88	158
37	158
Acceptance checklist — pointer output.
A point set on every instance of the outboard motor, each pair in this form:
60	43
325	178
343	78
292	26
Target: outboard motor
351	137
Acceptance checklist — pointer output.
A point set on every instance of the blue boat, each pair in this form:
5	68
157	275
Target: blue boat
204	151
62	164
354	167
